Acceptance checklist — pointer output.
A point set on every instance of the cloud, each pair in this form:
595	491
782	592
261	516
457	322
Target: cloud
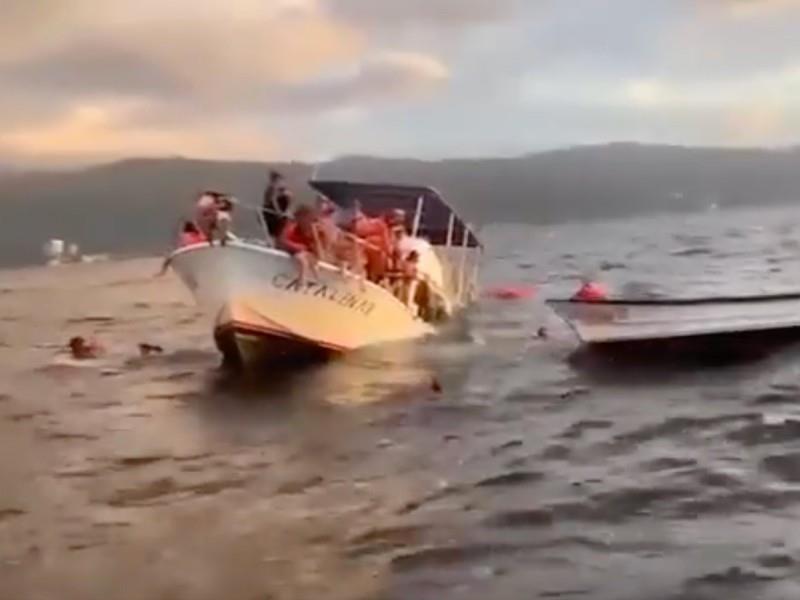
118	78
392	77
729	39
756	123
204	49
152	75
89	67
103	131
749	9
87	78
394	13
238	54
25	24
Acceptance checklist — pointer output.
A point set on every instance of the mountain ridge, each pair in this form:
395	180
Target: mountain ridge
133	204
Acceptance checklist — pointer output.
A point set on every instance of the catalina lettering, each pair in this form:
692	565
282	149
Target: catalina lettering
288	283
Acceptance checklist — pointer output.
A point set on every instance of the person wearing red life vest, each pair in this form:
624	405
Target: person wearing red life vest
590	291
300	239
190	235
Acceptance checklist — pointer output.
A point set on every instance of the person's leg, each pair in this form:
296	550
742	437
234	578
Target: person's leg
164	266
301	262
222	228
340	253
410	292
359	264
206	227
312	264
421	298
372	265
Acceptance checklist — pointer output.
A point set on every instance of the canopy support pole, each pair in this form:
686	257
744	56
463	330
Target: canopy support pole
450	226
417	216
462	269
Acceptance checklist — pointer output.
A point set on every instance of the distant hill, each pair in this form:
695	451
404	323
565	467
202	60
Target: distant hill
133	205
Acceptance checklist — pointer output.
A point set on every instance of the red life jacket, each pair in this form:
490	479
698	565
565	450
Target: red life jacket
591	292
373	231
189	238
294	240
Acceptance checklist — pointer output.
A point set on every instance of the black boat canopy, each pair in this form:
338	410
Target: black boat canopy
376	199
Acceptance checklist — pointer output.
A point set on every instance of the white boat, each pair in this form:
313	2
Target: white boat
262	313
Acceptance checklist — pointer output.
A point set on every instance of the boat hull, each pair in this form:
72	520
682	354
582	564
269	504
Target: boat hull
242	345
713	328
262	313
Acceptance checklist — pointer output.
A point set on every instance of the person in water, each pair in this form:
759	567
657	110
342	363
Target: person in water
81	349
300	239
590	291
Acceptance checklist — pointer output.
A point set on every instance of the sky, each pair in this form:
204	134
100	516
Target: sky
83	81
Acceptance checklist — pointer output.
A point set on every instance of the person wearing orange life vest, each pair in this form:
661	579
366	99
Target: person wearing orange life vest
300	239
590	291
377	242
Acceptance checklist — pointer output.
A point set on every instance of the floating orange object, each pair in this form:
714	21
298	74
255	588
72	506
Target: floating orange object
591	292
511	292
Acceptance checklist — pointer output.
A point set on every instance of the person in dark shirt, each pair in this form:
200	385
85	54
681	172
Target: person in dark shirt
276	204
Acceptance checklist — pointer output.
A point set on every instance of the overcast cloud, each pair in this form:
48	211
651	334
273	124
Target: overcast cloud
307	79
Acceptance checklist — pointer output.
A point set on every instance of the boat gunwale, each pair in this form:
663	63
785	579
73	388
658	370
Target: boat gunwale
276	252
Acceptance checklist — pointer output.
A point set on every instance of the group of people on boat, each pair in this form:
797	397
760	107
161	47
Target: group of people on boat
372	248
377	249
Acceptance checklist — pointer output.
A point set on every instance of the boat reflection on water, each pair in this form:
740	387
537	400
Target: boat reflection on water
372	375
381	374
405	371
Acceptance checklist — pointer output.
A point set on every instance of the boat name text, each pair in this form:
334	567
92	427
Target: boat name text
320	290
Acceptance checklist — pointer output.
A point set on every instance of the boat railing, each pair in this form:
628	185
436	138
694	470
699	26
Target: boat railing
258	230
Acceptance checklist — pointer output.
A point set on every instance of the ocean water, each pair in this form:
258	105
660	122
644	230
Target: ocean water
527	476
